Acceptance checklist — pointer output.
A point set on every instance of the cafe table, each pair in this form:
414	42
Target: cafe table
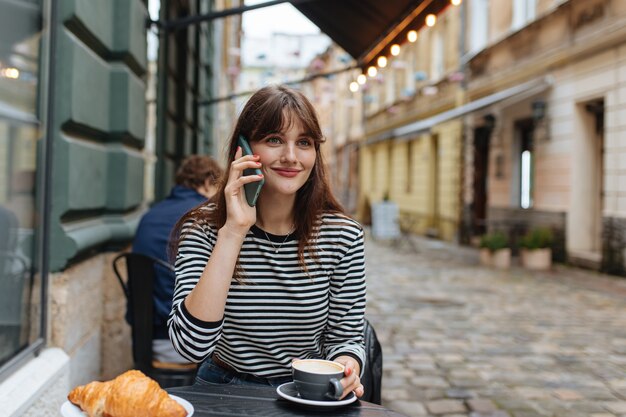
245	400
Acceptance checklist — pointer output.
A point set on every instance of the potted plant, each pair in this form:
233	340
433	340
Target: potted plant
536	249
495	251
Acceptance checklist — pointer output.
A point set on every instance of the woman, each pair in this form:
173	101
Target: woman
257	287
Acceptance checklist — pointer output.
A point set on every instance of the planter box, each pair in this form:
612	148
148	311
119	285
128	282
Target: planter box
500	258
537	259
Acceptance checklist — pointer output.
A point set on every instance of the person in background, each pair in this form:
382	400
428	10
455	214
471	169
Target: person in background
197	181
257	287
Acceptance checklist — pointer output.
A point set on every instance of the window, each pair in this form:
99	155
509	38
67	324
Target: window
390	86
437	56
523	12
525	197
400	69
479	24
409	73
409	166
20	131
525	131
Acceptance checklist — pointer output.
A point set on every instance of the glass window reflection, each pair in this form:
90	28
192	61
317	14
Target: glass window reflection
20	35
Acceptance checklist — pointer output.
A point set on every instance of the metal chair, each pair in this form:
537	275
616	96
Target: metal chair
138	289
373	368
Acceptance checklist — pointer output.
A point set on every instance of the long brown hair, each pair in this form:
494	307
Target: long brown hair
270	110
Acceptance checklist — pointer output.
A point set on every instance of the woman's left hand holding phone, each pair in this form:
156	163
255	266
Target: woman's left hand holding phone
240	216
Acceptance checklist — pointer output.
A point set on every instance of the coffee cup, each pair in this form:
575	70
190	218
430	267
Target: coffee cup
318	379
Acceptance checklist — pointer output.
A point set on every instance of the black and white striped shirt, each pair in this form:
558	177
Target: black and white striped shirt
279	312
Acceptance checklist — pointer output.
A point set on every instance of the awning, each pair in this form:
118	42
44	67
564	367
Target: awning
365	28
511	95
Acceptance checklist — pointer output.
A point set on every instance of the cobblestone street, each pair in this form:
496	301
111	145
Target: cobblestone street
463	340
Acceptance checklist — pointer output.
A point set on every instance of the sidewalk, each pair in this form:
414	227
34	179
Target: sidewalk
463	340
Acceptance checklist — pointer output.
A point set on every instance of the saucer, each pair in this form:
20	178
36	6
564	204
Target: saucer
288	391
70	410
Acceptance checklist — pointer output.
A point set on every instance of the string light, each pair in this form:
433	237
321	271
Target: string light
455	2
412	35
431	19
354	86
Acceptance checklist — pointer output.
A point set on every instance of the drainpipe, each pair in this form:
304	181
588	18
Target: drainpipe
463	62
161	111
463	234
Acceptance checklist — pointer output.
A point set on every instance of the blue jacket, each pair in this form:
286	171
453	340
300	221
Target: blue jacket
152	238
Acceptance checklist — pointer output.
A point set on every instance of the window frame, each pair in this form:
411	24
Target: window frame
479	25
46	96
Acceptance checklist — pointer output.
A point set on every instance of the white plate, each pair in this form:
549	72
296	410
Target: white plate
70	410
288	391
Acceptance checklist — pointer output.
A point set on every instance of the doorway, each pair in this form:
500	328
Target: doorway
595	109
585	226
434	176
482	138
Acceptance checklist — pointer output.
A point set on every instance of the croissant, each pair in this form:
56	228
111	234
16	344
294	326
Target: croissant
131	394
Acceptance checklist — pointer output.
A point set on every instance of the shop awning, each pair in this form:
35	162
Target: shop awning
366	28
509	96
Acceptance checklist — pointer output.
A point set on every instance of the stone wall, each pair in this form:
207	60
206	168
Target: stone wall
516	222
87	309
614	246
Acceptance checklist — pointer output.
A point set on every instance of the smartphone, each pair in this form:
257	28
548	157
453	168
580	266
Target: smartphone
252	189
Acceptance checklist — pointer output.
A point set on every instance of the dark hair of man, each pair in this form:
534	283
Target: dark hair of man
196	169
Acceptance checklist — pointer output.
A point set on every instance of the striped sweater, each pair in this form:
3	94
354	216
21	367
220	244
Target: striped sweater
278	312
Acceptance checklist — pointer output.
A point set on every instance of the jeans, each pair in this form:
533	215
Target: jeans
210	373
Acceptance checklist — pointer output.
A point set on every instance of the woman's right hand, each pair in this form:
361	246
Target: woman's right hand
239	215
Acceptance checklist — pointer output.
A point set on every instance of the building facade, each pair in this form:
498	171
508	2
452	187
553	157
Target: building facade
551	153
340	112
505	115
227	73
74	143
417	167
195	65
73	187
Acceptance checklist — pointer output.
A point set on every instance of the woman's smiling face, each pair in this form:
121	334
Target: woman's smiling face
287	158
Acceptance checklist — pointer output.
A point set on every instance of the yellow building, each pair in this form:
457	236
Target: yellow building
409	156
